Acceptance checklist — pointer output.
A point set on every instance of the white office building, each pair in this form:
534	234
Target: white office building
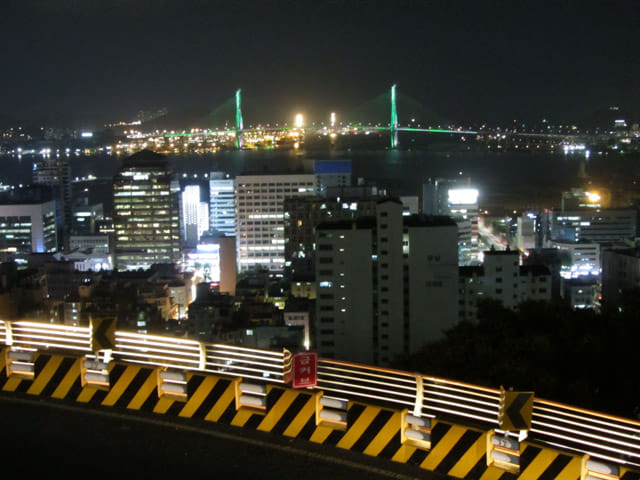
27	228
260	216
582	259
607	225
526	232
222	204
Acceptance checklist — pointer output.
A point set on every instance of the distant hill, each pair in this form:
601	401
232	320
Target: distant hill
604	118
174	120
193	117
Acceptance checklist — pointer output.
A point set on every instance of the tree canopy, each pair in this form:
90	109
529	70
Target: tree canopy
577	357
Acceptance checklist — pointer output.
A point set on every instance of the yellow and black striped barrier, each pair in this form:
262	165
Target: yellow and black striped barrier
455	450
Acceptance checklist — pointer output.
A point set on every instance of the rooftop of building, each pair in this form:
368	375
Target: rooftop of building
535	270
273	176
151	289
583	210
418	220
585	280
478	270
390	200
354	192
214	299
332	166
331	199
507	251
421	220
140	275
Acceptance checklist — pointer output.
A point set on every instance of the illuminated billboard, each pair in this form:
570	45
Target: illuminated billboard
463	196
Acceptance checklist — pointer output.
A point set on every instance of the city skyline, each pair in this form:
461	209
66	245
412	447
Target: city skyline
85	63
398	236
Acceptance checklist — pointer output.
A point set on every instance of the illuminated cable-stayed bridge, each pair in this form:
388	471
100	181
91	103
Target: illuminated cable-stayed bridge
393	127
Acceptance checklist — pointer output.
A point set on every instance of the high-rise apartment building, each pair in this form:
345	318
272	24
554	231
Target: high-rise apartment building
302	215
502	278
260	216
145	213
386	284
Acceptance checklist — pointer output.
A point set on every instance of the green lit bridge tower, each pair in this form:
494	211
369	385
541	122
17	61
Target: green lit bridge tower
393	125
239	125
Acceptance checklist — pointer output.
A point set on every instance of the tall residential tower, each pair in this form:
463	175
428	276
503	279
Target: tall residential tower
386	284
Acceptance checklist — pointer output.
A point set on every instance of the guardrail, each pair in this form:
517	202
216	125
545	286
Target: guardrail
601	436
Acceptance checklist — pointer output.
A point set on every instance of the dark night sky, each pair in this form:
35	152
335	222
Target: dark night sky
80	61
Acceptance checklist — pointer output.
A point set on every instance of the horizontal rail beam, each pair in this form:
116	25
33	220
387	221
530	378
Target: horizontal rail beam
574	429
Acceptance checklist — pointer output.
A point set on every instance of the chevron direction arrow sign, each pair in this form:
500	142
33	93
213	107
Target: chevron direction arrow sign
516	409
103	333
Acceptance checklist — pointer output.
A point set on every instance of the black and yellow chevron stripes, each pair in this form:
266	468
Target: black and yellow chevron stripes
457	451
629	474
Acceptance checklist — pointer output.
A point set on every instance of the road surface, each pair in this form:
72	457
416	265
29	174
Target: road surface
42	438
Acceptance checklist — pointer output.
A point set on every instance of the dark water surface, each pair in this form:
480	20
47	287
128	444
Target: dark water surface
499	176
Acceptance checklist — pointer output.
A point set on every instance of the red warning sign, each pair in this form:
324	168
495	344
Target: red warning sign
304	370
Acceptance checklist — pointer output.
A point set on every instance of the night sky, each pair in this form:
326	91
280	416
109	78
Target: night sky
89	62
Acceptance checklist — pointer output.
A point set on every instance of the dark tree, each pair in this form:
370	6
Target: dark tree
576	357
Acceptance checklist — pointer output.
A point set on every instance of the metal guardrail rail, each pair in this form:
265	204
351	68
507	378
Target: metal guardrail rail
266	365
461	400
46	336
350	380
568	428
600	435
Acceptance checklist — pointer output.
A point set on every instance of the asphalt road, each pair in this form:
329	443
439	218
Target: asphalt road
43	438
